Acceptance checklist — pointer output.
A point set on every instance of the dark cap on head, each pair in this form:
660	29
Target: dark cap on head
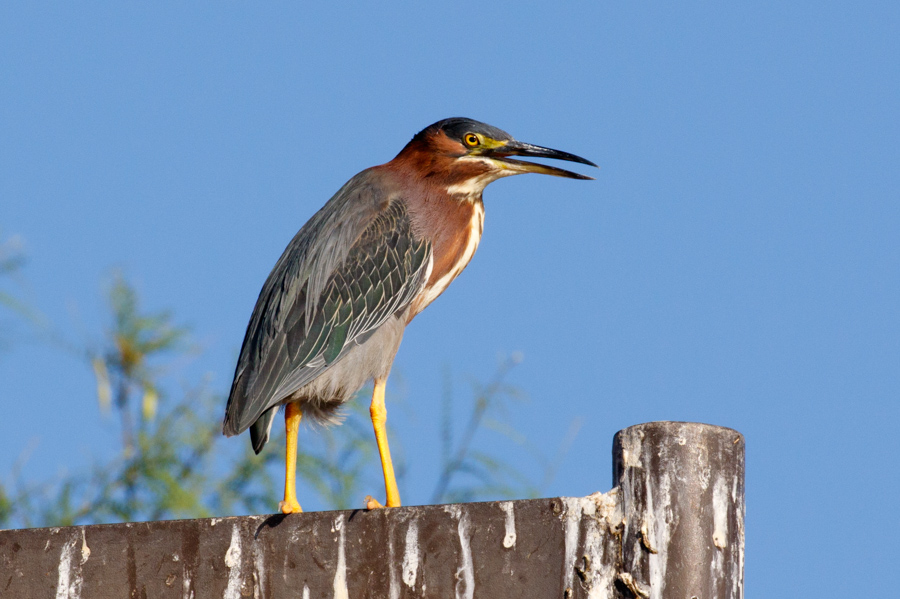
456	127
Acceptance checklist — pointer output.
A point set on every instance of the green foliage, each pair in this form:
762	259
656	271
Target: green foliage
173	461
11	260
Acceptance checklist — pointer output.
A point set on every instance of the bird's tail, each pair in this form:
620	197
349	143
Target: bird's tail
259	430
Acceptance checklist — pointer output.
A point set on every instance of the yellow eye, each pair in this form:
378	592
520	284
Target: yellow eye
471	139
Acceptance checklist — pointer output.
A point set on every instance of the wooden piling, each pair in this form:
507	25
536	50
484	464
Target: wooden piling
673	526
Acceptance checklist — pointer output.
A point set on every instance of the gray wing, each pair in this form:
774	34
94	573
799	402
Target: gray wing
355	264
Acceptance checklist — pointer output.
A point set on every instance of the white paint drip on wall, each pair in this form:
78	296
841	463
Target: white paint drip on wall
394	590
596	518
233	562
607	521
631	450
69	580
509	538
720	513
720	502
305	592
572	528
658	526
85	550
706	472
738	502
65	568
259	572
599	578
186	591
411	555
465	574
293	540
340	574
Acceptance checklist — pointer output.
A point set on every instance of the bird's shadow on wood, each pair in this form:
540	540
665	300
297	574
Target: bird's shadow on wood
275	520
353	514
271	522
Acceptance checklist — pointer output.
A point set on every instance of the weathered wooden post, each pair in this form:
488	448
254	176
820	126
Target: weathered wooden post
672	527
682	494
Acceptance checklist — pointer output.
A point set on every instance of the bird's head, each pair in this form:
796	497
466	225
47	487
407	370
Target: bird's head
464	155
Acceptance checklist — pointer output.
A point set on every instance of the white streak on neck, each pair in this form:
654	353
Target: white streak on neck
476	227
472	187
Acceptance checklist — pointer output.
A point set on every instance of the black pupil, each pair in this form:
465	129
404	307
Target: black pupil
471	139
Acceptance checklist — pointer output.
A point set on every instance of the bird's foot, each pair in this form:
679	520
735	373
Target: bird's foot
289	506
372	503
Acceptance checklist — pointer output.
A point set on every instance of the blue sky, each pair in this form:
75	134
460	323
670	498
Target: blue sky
736	262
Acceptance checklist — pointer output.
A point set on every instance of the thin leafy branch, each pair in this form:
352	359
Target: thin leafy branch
494	477
12	260
173	462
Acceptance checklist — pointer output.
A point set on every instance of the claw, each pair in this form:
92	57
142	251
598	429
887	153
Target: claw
289	507
372	503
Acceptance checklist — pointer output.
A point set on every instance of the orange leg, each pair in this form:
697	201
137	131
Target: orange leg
292	416
379	418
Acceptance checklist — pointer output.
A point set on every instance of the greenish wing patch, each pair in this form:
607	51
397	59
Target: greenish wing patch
382	274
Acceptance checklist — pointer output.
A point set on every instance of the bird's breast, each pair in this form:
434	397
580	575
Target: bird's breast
453	246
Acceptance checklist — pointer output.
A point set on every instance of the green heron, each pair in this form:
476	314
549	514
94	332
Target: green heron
331	315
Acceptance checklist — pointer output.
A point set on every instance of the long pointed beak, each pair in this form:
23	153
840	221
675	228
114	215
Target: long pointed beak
518	148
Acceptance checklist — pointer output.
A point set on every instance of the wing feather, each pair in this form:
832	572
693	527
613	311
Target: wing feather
355	264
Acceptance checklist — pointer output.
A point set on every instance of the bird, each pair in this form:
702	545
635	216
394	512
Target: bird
332	312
